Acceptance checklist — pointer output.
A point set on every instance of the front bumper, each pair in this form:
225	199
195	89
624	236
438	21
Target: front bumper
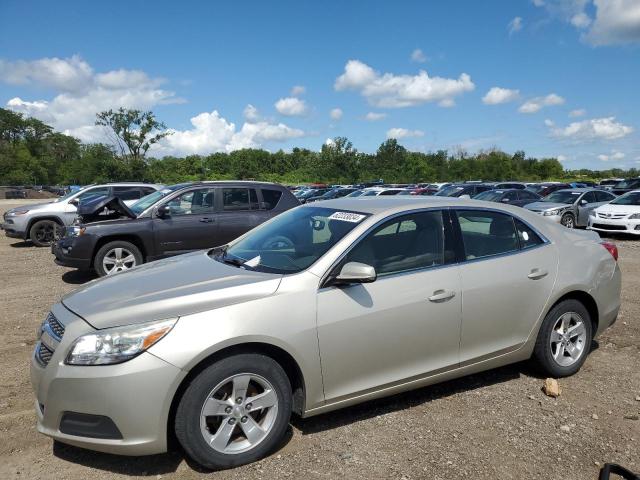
608	225
12	230
70	252
135	396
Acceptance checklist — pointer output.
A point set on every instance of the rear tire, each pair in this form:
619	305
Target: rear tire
235	431
116	257
564	339
44	232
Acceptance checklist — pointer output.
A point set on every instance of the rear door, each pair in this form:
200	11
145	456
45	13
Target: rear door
190	225
507	272
237	212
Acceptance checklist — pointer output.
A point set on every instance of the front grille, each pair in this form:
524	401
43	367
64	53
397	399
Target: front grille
56	327
613	216
605	226
43	354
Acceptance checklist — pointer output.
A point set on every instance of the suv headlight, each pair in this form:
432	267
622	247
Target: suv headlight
549	213
116	345
15	213
75	231
635	216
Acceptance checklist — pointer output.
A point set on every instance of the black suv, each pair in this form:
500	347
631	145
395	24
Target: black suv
110	237
626	185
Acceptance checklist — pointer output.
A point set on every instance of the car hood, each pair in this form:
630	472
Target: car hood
168	288
542	206
613	208
33	206
104	208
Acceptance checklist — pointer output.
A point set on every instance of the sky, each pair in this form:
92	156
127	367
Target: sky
555	78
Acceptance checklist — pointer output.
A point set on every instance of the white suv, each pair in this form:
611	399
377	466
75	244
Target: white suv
40	222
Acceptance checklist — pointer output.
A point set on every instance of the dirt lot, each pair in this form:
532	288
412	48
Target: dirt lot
494	425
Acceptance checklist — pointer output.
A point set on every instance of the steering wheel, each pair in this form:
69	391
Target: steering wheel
278	242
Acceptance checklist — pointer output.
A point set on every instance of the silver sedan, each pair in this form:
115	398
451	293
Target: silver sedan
322	307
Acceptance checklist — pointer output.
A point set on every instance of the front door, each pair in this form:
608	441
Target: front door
189	226
400	327
583	210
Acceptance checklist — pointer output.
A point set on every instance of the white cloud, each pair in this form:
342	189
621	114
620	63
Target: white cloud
403	133
336	114
614	22
374	116
497	95
81	93
594	129
298	90
535	104
515	25
250	113
614	155
418	56
549	123
394	91
213	133
562	158
580	112
291	107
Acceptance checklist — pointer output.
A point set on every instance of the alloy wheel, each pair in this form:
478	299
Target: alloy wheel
238	413
117	260
568	338
47	232
567	221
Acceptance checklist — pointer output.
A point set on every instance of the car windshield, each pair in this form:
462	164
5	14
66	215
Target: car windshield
148	200
628	184
357	193
536	188
449	191
490	195
330	193
371	193
562	196
631	198
292	241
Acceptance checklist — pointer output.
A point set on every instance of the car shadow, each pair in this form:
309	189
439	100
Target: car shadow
23	244
78	277
419	397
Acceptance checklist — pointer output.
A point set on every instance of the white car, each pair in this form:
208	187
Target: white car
621	215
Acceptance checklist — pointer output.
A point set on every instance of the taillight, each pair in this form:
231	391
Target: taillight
611	248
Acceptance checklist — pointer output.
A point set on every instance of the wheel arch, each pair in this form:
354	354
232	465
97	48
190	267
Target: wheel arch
586	299
33	221
281	356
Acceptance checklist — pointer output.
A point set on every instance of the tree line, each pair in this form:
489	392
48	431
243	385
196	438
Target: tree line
32	153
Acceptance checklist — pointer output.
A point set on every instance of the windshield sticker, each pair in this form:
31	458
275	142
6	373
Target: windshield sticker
346	217
253	263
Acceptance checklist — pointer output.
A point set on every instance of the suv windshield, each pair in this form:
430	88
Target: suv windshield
562	196
292	241
631	198
449	191
148	200
628	184
67	195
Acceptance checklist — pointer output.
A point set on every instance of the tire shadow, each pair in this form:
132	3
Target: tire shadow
78	277
23	244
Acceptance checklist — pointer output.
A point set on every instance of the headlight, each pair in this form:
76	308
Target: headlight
75	231
15	213
549	213
635	216
117	345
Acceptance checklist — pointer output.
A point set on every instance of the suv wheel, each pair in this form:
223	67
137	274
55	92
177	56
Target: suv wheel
234	412
116	257
564	339
44	232
568	221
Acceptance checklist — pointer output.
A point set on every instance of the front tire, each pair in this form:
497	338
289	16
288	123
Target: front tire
44	232
568	220
564	339
234	412
116	257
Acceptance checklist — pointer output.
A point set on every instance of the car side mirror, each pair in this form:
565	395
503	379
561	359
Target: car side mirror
583	202
164	211
356	272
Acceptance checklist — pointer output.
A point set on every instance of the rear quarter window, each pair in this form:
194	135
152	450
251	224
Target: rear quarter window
271	198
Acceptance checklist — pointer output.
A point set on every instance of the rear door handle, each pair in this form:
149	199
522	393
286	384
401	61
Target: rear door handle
537	274
206	220
442	295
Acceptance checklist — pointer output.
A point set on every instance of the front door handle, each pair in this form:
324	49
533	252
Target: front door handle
442	295
206	220
537	274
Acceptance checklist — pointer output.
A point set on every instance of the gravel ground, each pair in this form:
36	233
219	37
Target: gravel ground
496	424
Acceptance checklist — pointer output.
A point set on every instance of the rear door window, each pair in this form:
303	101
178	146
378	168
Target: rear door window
127	193
486	233
235	199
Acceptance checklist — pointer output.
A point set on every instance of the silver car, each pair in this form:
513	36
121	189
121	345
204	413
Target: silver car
322	307
571	206
41	222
